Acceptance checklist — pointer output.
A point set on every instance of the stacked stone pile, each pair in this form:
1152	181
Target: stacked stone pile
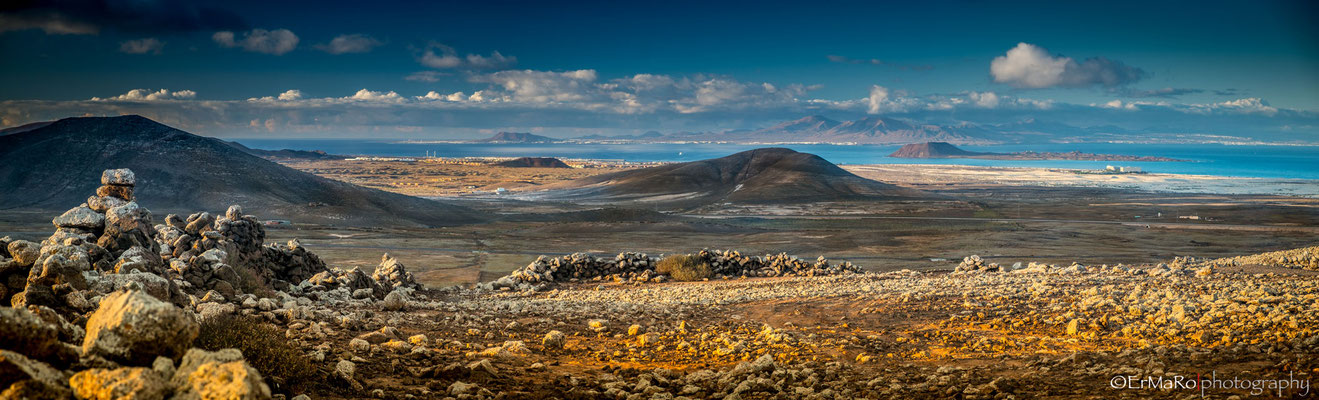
132	346
388	277
629	266
109	243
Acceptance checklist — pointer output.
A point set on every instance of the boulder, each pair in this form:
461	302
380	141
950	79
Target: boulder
120	177
24	252
80	217
30	379
395	301
133	383
26	332
133	327
218	375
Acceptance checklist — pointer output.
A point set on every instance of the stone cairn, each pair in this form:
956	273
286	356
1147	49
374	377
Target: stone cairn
110	243
389	276
639	267
109	303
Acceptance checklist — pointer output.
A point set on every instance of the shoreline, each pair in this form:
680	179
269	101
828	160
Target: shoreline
949	174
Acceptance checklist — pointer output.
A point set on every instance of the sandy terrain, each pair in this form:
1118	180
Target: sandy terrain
919	174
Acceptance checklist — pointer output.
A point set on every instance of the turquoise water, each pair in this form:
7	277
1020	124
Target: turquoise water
1291	162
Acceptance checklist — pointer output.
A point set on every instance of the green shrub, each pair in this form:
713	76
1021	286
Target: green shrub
264	346
684	267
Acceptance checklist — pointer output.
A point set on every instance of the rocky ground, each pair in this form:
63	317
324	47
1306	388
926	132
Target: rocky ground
116	307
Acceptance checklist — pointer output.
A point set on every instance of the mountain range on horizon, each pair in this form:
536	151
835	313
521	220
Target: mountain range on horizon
870	130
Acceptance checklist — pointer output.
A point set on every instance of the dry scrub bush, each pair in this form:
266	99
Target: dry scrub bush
264	346
684	267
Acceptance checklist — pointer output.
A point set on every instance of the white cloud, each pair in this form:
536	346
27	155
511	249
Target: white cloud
984	99
142	46
276	42
1246	105
546	86
376	97
290	95
149	95
1031	66
350	43
440	56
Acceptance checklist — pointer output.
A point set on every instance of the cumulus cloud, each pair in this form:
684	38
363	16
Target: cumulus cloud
545	86
351	43
276	42
984	99
439	56
149	95
1247	105
877	99
1032	67
376	97
90	17
142	46
287	95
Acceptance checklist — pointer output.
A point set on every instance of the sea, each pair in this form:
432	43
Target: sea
1255	161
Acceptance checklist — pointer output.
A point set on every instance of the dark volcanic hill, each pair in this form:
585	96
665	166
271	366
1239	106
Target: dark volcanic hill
534	162
287	154
769	175
516	137
58	166
931	150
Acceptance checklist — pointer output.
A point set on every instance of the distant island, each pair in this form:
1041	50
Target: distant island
517	137
945	150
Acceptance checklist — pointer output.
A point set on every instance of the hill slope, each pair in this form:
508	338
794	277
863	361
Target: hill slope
534	162
931	150
59	165
768	175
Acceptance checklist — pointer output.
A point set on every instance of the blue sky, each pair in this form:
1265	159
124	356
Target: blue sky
623	67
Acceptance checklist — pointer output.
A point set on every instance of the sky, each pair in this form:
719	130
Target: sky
466	69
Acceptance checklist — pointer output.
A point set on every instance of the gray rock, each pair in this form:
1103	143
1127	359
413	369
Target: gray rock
134	328
121	177
80	217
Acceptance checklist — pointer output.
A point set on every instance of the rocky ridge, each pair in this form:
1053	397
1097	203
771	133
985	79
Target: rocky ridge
639	267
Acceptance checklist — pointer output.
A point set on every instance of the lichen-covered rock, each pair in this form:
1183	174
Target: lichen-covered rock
155	285
121	177
128	226
392	274
80	217
133	383
217	375
24	252
30	379
139	259
24	331
133	327
395	301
